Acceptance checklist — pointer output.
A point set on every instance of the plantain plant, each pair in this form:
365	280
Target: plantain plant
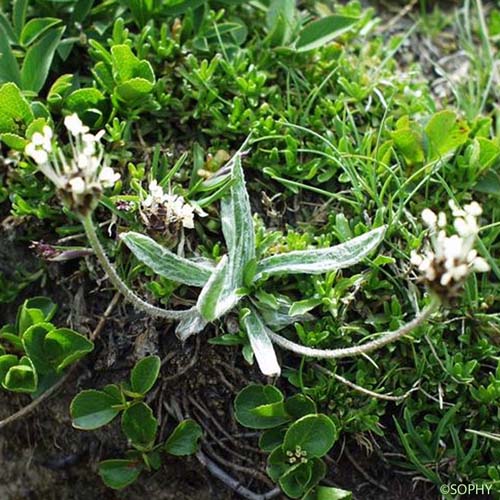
231	283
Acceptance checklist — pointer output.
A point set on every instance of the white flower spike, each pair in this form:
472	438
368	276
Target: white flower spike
81	177
170	209
448	260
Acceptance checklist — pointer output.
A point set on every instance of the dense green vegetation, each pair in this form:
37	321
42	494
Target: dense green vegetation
338	130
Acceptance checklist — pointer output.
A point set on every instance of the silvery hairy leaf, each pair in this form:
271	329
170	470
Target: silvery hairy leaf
321	260
166	263
261	343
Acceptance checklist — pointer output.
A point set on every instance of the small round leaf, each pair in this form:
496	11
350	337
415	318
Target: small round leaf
118	474
144	374
184	439
140	425
92	409
250	399
313	434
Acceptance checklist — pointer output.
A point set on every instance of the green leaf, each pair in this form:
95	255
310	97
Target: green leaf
237	226
261	343
134	89
7	361
323	31
127	66
81	100
53	349
15	111
33	311
164	262
38	60
314	434
144	374
14	141
445	133
184	439
280	21
409	141
254	396
211	304
9	333
299	406
9	69
302	307
330	493
277	464
176	7
140	425
35	28
272	438
119	473
19	9
322	260
9	31
294	481
92	409
58	91
302	478
22	377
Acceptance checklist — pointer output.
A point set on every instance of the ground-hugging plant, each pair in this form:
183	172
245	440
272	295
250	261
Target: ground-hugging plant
230	284
37	352
92	409
295	435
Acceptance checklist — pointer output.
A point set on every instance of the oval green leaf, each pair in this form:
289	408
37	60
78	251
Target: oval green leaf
144	374
184	439
253	397
119	473
140	425
313	434
92	409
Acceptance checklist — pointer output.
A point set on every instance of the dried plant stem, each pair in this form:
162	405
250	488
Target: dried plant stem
119	284
346	352
26	410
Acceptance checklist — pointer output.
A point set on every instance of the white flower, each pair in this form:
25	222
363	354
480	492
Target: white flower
40	146
75	125
450	259
429	218
171	207
77	185
441	220
479	265
108	177
38	154
78	175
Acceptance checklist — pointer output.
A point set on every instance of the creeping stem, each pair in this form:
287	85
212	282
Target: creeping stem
383	340
119	284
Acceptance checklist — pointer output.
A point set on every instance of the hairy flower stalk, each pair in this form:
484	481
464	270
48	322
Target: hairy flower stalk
119	283
386	338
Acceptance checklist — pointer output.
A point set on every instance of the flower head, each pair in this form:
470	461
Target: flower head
81	177
165	210
448	260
